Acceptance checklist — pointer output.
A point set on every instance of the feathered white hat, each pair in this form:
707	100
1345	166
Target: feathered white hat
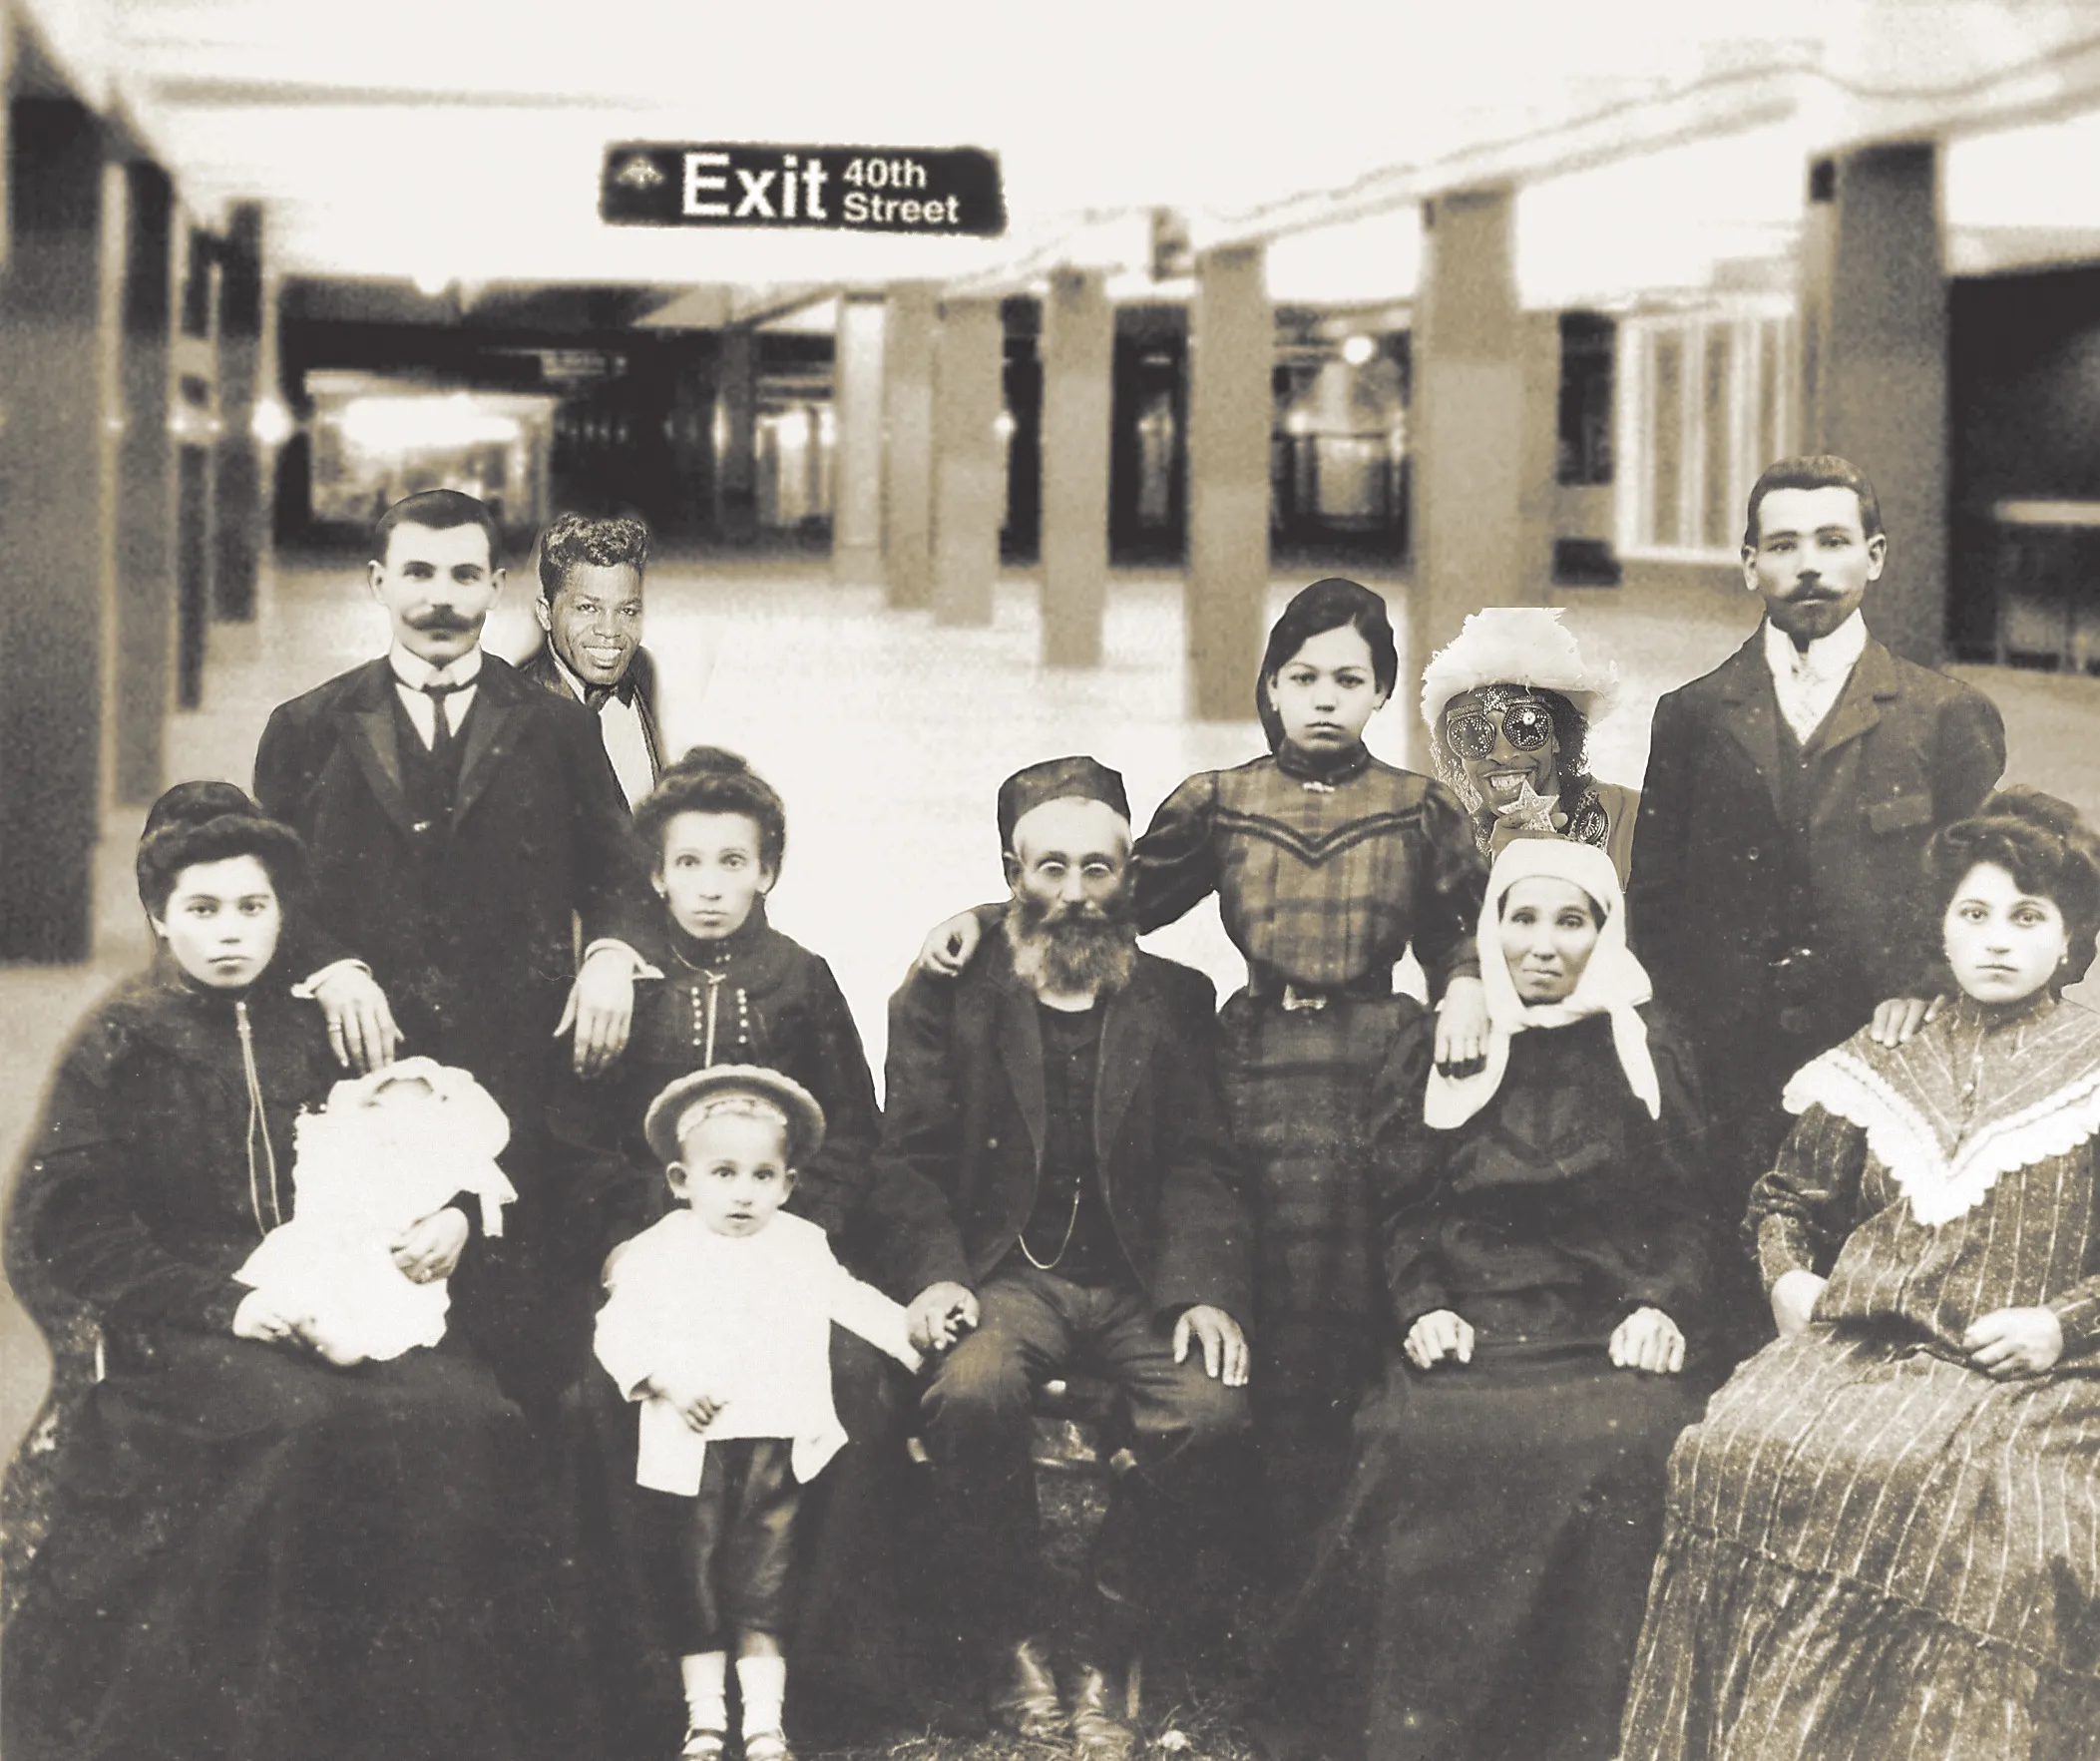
1516	645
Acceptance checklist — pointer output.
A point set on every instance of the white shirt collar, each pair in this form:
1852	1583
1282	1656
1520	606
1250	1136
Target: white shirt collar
1827	657
415	672
577	688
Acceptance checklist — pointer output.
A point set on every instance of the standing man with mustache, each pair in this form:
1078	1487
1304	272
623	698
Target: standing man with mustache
589	611
459	822
1777	896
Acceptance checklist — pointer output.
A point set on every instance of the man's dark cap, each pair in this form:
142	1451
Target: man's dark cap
1058	779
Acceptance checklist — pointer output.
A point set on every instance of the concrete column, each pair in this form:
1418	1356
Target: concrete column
908	444
55	448
970	479
7	86
194	420
736	471
1470	537
145	491
1874	321
1078	361
1231	411
237	493
856	481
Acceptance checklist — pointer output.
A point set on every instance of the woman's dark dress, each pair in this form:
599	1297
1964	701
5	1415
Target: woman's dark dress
1326	870
254	1556
1479	1591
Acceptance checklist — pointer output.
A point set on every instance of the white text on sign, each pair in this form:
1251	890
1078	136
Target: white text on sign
794	190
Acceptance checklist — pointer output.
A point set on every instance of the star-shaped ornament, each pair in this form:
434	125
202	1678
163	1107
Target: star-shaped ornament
1529	812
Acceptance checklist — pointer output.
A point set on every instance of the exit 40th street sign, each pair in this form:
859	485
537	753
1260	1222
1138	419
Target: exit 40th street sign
953	190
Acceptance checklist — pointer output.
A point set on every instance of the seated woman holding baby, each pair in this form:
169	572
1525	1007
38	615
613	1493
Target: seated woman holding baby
275	1533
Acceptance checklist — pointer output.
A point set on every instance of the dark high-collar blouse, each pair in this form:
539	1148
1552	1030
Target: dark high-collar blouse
138	1199
755	996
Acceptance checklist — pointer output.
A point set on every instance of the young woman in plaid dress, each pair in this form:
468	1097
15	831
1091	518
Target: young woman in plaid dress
1327	865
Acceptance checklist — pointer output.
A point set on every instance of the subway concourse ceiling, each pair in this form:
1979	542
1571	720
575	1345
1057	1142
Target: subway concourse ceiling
420	140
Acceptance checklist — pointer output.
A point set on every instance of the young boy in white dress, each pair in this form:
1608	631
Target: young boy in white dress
719	1326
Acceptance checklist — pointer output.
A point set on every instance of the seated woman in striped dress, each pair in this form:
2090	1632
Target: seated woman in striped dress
1884	1539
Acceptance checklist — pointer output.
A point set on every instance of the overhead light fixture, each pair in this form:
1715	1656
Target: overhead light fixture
1357	350
271	424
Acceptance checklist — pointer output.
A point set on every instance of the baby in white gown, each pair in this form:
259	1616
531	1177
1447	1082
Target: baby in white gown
389	1149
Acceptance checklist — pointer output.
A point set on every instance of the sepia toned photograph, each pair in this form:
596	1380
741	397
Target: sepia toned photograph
947	883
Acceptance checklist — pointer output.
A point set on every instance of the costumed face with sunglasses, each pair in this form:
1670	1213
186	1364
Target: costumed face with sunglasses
1503	738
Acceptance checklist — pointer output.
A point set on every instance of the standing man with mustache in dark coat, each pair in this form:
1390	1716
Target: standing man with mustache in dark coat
1777	896
460	822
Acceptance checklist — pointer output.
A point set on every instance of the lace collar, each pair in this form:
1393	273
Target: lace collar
1977	1094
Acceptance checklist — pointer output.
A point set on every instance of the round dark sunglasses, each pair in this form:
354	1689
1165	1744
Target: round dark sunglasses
1527	726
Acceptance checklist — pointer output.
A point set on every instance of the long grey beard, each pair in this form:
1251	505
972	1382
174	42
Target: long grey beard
1074	956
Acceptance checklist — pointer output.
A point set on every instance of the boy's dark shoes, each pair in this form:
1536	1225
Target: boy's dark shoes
1098	1733
771	1745
1026	1701
702	1745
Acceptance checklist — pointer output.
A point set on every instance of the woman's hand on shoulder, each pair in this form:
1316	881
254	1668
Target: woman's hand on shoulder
1648	1340
1793	1298
950	946
2010	1342
1437	1335
1462	1027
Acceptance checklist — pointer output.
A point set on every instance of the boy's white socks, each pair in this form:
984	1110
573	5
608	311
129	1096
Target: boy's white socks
763	1684
707	1689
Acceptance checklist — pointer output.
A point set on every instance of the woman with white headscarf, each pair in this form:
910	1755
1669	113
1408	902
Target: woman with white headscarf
1480	1591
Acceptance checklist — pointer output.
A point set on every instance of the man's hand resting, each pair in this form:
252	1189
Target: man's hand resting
600	1009
360	1024
940	1315
1224	1345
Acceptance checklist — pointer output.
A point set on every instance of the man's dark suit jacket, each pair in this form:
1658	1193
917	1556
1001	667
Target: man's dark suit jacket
543	670
963	1134
1903	752
471	935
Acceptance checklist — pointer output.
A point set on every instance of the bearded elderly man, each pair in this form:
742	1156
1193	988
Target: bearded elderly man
589	615
1057	1184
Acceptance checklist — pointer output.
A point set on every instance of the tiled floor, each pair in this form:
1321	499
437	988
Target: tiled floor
888	739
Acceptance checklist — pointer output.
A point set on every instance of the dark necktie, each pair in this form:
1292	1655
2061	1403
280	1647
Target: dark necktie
441	742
